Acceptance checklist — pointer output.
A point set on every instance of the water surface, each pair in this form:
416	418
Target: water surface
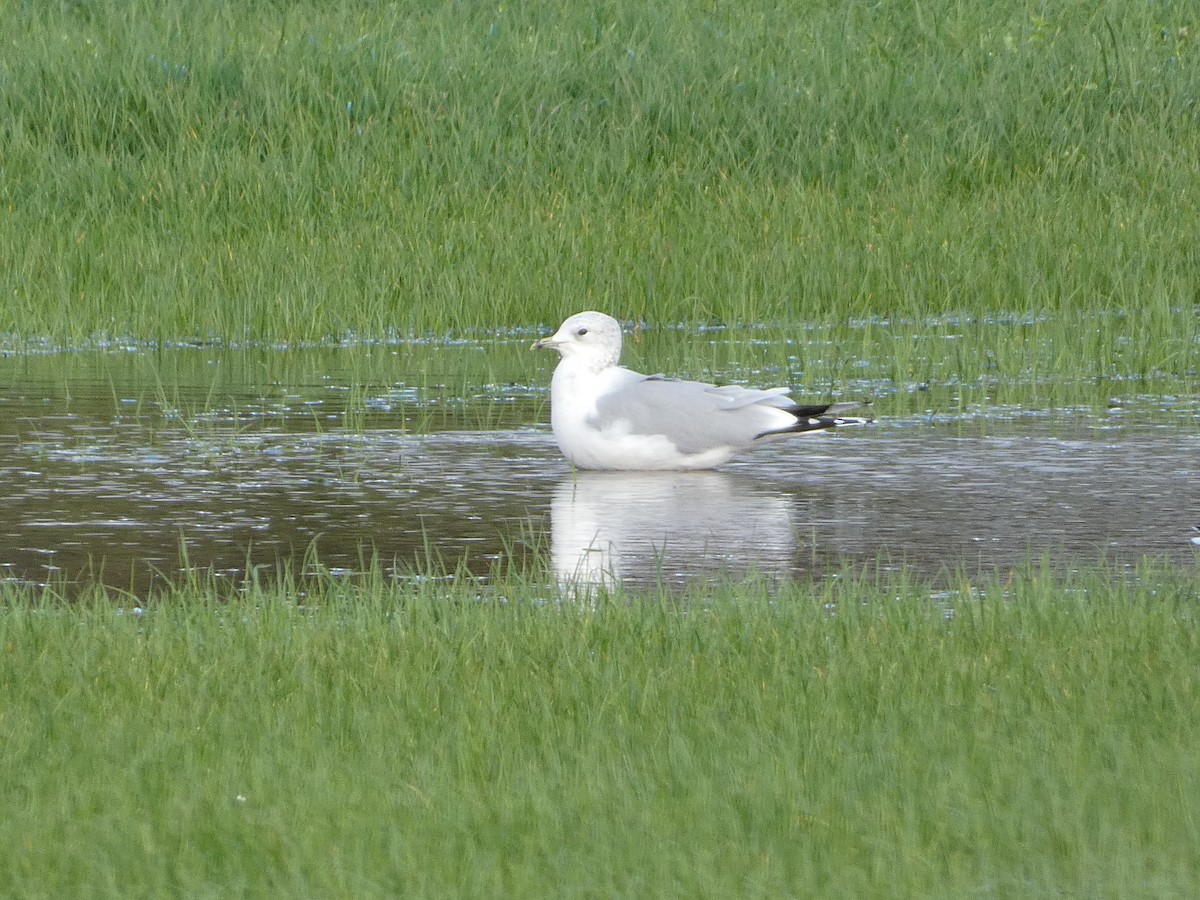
136	468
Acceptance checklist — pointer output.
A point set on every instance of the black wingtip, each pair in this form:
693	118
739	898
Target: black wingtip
811	411
818	423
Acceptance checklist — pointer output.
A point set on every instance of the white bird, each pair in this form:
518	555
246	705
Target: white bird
605	416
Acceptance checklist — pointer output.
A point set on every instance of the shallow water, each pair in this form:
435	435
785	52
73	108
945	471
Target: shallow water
137	468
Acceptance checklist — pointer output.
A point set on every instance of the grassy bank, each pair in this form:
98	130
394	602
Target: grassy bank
194	170
854	739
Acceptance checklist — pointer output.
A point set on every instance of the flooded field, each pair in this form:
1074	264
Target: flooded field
138	468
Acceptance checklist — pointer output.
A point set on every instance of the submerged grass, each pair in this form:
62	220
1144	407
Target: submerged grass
1033	737
302	172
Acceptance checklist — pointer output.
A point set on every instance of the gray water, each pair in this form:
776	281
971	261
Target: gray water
109	474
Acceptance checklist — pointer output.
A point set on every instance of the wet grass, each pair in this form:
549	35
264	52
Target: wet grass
179	171
1030	736
494	383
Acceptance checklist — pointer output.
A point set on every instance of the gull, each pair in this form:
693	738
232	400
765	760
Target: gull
605	416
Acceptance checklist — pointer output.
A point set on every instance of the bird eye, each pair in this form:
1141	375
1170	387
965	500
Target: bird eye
581	332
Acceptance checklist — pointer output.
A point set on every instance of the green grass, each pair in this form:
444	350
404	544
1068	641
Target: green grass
998	204
254	172
1028	737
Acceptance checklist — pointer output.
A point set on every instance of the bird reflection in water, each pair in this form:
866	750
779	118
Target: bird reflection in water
619	528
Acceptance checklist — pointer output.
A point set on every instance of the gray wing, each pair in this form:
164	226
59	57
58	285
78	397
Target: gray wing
693	415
